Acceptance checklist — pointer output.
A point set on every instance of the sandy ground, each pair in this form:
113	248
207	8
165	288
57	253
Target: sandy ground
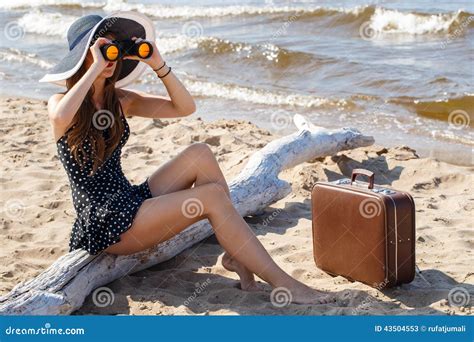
37	216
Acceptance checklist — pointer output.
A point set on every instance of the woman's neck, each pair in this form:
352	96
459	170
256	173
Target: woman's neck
99	89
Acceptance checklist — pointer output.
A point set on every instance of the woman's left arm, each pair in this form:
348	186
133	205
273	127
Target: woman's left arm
180	102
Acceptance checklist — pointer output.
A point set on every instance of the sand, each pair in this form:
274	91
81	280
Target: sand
37	216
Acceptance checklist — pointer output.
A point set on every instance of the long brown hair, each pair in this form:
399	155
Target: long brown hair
89	124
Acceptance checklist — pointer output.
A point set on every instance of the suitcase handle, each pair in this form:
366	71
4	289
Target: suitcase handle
364	172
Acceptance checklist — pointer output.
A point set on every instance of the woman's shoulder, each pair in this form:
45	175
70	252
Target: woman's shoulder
52	103
53	99
127	98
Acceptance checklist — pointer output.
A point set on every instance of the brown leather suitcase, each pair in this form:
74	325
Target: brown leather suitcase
364	232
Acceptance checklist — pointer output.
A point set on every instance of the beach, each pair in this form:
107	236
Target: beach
37	215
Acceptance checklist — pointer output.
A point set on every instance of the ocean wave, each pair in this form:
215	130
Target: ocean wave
449	109
16	56
56	24
50	24
452	137
212	46
20	4
254	95
380	20
385	21
257	96
265	52
165	12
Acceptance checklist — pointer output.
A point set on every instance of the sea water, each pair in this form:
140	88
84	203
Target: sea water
401	71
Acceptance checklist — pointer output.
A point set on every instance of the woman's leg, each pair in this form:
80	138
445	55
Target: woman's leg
196	165
162	217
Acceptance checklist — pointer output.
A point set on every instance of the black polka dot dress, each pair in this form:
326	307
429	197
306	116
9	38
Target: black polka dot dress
106	202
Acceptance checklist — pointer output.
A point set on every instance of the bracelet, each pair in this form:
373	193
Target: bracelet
164	63
165	74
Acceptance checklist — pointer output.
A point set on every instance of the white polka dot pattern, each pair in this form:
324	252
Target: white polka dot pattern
106	202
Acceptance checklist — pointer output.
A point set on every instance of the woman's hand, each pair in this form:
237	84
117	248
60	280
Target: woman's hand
98	60
180	103
154	61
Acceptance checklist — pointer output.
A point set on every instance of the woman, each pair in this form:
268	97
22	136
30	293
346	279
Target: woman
115	216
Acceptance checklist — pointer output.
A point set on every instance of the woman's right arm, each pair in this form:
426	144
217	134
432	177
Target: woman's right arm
63	107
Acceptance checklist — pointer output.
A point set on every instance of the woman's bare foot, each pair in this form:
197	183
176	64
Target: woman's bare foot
303	294
312	296
294	291
300	293
247	280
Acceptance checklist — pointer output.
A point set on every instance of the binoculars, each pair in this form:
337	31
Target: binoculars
119	48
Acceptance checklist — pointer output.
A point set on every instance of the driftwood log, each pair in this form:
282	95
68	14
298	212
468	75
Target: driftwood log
63	287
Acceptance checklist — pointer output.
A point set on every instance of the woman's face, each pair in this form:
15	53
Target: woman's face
110	67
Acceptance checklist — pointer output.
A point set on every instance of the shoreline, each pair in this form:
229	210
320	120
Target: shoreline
453	153
36	233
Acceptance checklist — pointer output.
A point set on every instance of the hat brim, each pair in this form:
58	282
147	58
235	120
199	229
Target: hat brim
124	25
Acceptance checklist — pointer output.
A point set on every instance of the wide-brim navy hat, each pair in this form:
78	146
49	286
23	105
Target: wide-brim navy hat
85	30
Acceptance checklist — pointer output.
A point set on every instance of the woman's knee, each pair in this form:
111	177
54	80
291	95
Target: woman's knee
216	197
199	151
